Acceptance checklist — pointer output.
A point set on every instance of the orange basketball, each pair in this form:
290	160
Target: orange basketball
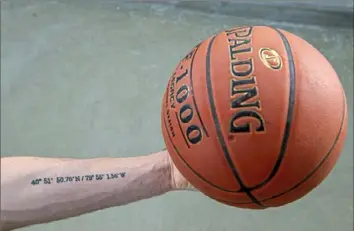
254	117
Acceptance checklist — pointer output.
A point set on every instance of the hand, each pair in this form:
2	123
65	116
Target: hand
178	181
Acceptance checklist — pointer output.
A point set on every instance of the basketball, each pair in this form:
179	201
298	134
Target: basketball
254	117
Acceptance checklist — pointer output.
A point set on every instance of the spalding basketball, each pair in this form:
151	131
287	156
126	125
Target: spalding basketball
254	117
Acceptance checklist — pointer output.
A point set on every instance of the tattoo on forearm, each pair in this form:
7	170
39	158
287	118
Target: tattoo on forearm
77	179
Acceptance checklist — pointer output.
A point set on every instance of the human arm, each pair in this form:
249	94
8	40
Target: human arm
79	186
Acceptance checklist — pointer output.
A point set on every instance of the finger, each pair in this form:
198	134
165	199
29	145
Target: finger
190	187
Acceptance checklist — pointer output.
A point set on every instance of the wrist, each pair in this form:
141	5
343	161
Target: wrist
164	168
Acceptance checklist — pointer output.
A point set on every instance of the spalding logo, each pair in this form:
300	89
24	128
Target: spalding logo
270	58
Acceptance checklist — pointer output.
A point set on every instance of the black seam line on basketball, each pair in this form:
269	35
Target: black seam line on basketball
194	101
180	127
315	169
235	203
290	113
167	91
322	161
218	129
186	163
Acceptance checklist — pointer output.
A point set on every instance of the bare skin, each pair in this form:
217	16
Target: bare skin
37	190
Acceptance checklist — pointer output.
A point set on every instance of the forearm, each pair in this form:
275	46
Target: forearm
77	186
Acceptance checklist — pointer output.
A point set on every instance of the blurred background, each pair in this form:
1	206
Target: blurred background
75	76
